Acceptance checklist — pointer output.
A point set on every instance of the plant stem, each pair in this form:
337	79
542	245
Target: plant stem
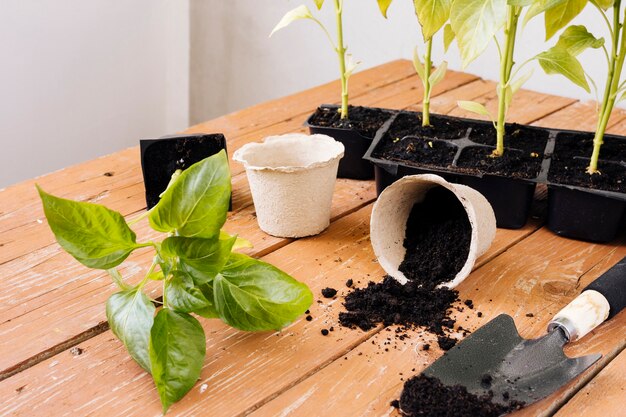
612	85
341	52
506	65
428	65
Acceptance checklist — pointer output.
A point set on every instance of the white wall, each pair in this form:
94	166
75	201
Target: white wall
80	79
234	64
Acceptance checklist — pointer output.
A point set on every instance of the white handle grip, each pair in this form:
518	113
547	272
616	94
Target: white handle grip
582	315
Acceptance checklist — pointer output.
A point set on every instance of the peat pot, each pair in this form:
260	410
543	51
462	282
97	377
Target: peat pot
392	209
292	178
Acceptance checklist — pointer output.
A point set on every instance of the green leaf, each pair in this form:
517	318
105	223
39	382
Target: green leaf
438	74
475	23
558	61
319	4
540	6
520	3
196	204
183	296
201	259
252	295
556	18
605	4
209	312
383	5
474	107
448	37
130	315
94	235
417	64
432	15
575	39
300	12
177	349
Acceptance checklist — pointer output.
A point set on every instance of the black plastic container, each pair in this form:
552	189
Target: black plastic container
580	212
511	198
584	215
160	158
352	165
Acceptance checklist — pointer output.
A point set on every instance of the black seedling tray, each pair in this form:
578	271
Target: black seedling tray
510	196
352	165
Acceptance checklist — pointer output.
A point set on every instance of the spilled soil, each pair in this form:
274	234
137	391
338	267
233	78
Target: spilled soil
437	244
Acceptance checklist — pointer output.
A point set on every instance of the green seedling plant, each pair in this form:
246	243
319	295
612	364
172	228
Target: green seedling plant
576	39
477	22
200	273
347	65
432	15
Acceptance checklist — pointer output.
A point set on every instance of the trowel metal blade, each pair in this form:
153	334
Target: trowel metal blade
496	360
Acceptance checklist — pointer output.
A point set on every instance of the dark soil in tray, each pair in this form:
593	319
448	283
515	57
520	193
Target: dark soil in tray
438	239
422	151
410	124
364	120
516	136
427	396
514	163
571	159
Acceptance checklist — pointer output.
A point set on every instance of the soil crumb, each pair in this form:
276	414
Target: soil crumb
427	396
329	292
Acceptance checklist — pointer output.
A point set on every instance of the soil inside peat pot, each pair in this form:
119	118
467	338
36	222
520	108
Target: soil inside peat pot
438	237
427	396
571	159
364	120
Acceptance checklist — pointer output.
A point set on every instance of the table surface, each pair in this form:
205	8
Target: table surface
58	357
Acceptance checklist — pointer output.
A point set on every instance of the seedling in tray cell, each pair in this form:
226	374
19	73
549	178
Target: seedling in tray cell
576	39
432	15
347	65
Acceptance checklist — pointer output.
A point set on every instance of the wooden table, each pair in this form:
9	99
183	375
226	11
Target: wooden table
58	358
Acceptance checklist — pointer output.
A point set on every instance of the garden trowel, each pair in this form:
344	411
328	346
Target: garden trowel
496	360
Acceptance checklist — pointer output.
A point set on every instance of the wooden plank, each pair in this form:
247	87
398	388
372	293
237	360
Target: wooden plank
603	396
229	383
46	279
539	275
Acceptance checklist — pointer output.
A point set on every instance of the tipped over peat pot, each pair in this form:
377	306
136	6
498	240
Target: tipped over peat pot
579	206
356	134
394	217
160	158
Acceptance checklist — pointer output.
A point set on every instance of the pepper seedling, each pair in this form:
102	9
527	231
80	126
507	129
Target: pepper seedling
200	273
347	65
475	24
576	39
432	15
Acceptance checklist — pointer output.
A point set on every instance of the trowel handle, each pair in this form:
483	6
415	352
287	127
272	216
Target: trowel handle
599	301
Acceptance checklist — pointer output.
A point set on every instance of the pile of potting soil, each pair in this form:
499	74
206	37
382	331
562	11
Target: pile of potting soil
427	396
437	245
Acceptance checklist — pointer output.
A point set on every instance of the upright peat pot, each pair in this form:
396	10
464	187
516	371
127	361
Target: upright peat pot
392	213
160	158
292	178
